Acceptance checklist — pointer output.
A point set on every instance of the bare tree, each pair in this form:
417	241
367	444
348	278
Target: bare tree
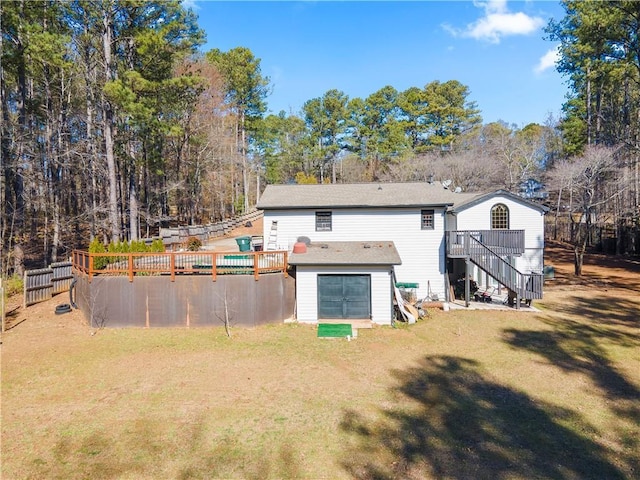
591	181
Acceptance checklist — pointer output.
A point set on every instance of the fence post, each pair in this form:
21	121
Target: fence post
90	266
256	273
172	265
130	266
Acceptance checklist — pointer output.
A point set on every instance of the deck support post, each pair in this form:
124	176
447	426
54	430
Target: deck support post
467	286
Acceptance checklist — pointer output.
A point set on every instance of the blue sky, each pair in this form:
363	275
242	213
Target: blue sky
496	48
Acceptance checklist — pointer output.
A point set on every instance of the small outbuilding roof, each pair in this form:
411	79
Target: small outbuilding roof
355	195
348	253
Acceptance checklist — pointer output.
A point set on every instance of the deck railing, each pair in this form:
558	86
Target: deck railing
526	285
502	242
179	263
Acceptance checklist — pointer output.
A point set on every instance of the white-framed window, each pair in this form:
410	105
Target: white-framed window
323	221
427	219
500	217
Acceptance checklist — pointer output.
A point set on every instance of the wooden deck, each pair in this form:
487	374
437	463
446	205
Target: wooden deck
500	242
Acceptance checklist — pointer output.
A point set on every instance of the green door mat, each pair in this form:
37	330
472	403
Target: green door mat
334	330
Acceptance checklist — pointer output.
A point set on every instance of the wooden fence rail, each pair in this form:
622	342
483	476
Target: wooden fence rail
179	263
43	283
62	276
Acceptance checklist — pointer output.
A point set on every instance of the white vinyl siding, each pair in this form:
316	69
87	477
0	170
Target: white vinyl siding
422	251
307	291
521	217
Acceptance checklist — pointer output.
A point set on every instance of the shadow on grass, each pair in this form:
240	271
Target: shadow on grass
609	310
578	347
582	347
451	422
149	448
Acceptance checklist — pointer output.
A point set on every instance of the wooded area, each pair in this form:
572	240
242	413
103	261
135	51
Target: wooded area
115	124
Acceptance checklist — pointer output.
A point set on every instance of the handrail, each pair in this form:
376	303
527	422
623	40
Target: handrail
178	263
503	242
526	285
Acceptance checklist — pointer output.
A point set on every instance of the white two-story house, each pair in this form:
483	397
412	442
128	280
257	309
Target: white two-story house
361	239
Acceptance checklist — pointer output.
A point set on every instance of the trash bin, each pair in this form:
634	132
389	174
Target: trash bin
257	242
549	272
244	243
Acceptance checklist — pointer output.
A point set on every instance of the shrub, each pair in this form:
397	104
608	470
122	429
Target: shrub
193	244
135	246
13	285
138	246
96	246
157	246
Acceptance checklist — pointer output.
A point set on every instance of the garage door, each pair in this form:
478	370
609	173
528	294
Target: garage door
344	296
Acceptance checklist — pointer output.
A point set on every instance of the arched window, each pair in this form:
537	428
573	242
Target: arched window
500	217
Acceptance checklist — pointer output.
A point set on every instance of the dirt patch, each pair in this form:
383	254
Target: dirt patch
254	229
599	270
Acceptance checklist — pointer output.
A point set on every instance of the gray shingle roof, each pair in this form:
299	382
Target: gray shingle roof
473	199
352	195
348	253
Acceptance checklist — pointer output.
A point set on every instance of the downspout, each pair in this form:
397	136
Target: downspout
447	288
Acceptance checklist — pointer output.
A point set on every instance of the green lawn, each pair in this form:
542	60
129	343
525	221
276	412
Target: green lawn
461	395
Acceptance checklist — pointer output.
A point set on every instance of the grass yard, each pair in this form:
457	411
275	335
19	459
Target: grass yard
461	395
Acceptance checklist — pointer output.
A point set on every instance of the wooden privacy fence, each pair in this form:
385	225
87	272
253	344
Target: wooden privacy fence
42	284
179	263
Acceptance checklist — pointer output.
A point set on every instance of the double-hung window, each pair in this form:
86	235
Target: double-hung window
323	221
426	219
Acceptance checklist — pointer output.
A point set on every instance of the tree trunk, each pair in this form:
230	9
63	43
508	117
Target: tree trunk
555	220
588	100
243	152
18	260
578	257
133	205
114	218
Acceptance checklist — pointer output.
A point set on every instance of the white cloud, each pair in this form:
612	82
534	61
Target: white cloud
548	60
190	4
497	22
492	6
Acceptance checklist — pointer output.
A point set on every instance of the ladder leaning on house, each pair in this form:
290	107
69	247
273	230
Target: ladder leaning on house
273	236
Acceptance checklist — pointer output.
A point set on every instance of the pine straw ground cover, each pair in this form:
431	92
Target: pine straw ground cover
460	395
